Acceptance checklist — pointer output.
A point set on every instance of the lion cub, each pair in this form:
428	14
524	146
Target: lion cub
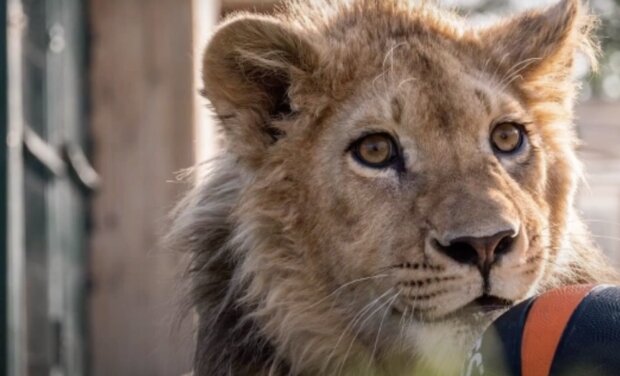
392	179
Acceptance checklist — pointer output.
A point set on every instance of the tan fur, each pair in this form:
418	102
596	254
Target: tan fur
305	261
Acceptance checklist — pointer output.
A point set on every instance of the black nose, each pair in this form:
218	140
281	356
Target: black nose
481	251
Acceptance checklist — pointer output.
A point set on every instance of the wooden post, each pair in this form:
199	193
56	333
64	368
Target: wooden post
142	106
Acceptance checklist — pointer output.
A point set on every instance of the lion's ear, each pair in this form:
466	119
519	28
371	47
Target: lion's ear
542	42
249	69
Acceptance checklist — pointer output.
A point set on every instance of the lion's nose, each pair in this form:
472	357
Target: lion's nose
480	251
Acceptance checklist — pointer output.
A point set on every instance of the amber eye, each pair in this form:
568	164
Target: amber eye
377	150
507	137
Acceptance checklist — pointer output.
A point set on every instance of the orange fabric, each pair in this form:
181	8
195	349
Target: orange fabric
545	324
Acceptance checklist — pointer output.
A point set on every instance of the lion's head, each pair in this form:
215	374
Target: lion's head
392	178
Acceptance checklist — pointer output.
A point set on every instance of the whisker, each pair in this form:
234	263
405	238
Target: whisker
401	323
387	310
355	318
345	285
356	334
586	220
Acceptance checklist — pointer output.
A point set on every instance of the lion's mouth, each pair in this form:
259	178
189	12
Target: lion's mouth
481	306
478	308
487	303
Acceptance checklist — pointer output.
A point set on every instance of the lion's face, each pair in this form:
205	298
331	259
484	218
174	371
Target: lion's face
412	173
435	187
431	194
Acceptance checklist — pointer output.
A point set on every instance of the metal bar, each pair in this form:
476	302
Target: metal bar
65	129
43	153
82	171
17	352
4	178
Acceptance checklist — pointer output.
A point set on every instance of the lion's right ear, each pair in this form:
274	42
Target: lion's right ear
250	68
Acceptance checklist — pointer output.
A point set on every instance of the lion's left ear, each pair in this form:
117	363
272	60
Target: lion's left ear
542	42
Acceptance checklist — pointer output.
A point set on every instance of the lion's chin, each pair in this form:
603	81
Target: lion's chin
442	345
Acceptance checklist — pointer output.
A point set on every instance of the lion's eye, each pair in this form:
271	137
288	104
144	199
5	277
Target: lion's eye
377	150
507	138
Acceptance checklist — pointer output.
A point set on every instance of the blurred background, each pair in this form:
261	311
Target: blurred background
98	112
